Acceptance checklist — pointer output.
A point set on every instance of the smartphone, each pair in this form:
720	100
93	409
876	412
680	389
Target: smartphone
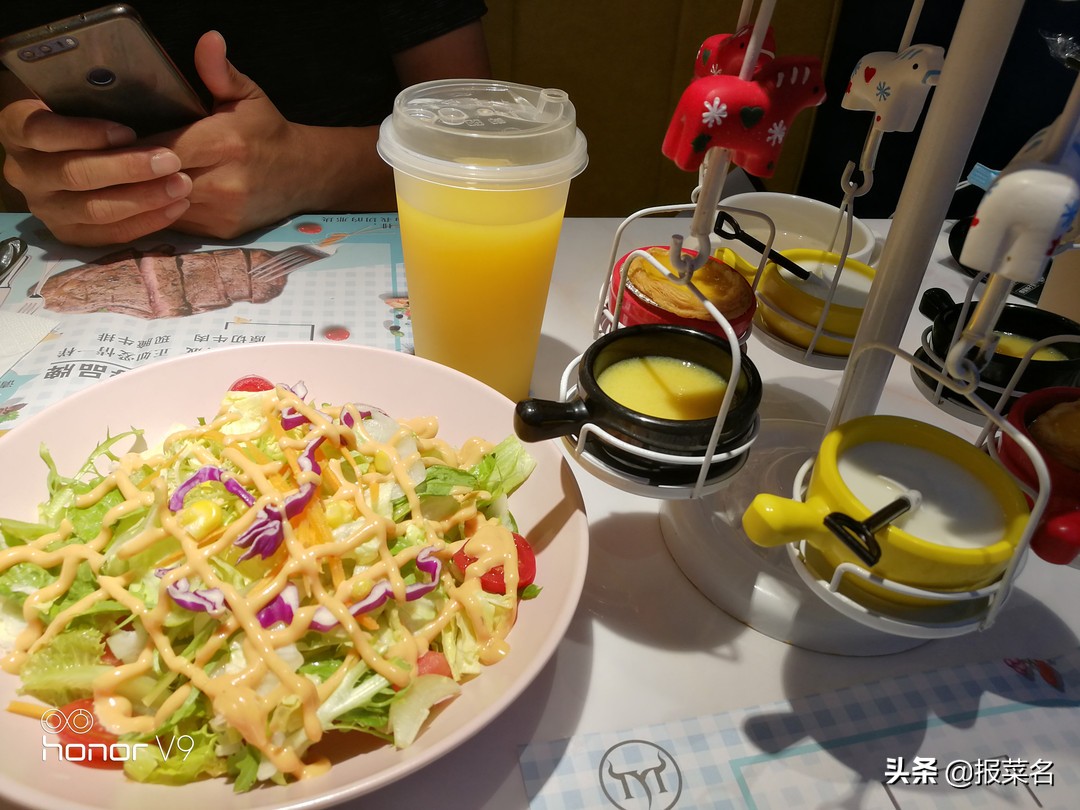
104	64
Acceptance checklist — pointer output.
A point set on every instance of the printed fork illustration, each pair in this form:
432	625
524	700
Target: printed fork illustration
36	300
285	261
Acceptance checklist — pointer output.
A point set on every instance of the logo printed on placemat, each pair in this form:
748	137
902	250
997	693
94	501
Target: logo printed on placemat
640	775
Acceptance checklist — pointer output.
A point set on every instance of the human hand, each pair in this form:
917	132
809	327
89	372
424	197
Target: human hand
86	179
245	159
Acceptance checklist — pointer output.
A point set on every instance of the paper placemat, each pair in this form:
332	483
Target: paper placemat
1004	733
19	333
353	293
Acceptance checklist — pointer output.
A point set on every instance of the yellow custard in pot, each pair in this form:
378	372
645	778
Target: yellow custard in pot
664	387
1013	345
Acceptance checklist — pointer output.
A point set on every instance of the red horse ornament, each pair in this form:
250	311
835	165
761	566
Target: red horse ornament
725	53
750	118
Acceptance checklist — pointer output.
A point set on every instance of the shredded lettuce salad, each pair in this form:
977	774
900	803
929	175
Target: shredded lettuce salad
275	573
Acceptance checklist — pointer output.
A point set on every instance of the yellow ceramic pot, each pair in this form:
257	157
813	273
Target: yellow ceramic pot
961	537
733	259
804	300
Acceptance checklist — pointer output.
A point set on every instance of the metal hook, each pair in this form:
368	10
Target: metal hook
867	159
856	189
714	172
684	264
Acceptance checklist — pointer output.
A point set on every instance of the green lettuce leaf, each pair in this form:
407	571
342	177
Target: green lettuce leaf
22	579
243	766
505	468
64	669
178	758
361	701
19	532
413	705
83	585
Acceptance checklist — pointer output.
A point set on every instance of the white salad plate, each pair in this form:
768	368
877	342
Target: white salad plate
548	508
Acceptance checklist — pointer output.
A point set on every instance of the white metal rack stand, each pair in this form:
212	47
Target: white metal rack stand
774	590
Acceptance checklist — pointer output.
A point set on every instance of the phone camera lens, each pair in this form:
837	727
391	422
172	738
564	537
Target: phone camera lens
101	77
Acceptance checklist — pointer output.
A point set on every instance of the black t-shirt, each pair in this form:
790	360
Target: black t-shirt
325	63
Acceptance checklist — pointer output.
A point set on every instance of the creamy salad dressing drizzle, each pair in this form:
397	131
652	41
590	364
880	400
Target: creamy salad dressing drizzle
245	696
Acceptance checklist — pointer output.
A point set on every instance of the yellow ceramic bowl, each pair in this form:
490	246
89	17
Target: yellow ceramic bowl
804	301
940	563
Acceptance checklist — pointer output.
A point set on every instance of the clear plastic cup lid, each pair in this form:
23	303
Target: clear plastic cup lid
483	132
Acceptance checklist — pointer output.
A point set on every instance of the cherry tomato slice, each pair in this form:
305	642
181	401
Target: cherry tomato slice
493	581
85	740
252	382
433	662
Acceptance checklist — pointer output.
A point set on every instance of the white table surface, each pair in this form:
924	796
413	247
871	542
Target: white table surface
645	645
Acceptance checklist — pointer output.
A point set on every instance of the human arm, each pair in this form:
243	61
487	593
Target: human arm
251	167
244	166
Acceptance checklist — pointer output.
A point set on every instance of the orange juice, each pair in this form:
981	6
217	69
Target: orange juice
481	170
478	264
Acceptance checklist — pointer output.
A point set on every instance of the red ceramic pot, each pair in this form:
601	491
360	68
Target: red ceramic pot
1057	539
638	309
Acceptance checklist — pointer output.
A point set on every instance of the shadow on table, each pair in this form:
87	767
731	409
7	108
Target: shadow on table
636	589
797	398
861	727
552	358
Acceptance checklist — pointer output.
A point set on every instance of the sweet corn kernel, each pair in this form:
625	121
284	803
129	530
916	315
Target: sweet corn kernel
361	588
338	513
383	463
200	518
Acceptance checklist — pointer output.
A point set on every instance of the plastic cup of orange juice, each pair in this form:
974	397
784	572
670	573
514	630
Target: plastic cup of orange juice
481	171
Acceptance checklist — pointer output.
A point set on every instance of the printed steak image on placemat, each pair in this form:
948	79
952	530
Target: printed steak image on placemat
159	284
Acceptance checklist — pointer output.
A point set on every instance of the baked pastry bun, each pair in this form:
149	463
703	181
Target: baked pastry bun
1057	431
722	285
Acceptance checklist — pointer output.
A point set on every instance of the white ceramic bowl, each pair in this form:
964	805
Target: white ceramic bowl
548	508
801	222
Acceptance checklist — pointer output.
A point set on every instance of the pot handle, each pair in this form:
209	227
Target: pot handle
538	419
934	302
771	520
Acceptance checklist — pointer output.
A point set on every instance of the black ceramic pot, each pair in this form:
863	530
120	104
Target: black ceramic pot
1015	319
539	419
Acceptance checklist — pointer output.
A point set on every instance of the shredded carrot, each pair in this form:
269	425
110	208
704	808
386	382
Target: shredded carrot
214	436
303	531
331	483
278	480
253	452
317	516
166	562
28	709
367	622
337	571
